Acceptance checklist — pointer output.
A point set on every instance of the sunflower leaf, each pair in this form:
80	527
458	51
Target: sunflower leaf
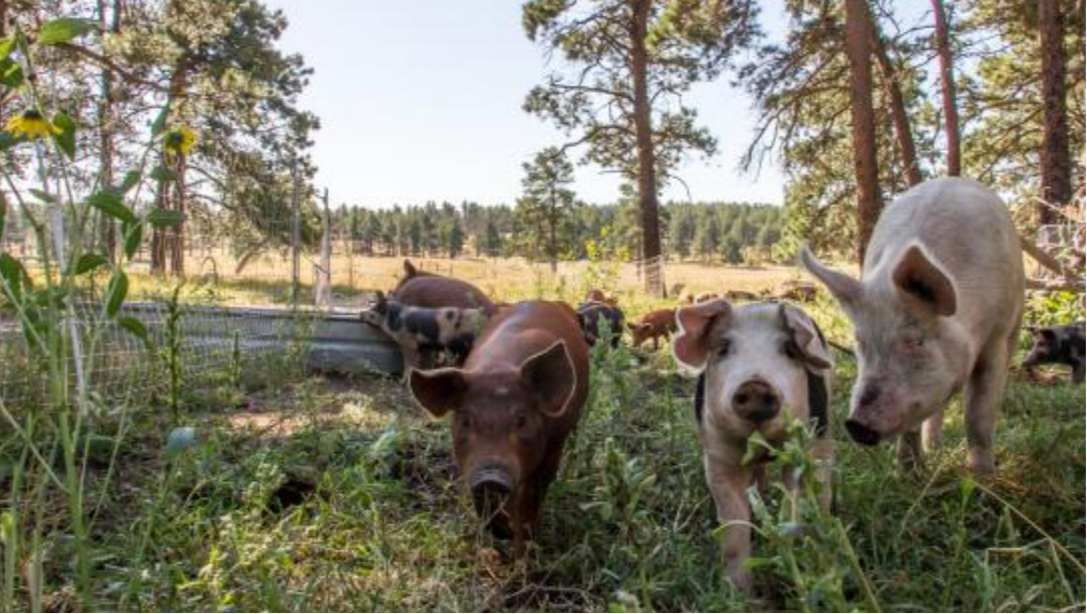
165	218
133	233
90	262
118	290
63	30
108	201
137	328
66	137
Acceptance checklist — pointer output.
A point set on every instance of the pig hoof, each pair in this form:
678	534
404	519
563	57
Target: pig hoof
982	463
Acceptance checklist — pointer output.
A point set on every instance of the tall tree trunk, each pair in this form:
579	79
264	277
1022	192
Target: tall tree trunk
107	228
901	120
858	24
947	88
179	83
1056	158
647	162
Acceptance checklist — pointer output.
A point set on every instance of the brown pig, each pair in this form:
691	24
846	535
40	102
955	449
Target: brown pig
653	325
513	404
421	289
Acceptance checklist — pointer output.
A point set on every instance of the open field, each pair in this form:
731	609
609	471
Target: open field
267	280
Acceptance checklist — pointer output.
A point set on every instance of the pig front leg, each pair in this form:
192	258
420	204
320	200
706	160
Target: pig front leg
411	359
1077	372
933	431
909	451
984	392
728	485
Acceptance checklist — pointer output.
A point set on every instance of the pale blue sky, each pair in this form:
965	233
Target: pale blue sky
421	100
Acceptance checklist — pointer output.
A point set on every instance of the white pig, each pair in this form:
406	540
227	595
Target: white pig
760	366
936	310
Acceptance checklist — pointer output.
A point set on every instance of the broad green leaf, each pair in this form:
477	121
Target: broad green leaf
131	179
11	74
163	218
7	45
137	328
44	196
133	235
118	289
11	271
66	138
159	125
90	262
63	30
180	439
108	201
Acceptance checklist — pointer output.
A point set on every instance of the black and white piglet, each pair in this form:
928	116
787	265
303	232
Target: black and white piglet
448	329
760	366
1058	345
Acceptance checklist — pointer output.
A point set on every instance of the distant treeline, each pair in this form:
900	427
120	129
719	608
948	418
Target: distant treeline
711	231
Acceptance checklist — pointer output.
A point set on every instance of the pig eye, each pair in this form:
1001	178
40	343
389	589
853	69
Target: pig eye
521	421
465	421
726	346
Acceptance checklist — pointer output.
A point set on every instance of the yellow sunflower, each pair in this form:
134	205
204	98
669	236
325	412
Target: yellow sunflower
180	140
31	124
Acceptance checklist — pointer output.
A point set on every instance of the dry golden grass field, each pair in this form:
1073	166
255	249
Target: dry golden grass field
266	279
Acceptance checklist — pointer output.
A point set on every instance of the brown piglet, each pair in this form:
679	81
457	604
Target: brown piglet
513	404
653	325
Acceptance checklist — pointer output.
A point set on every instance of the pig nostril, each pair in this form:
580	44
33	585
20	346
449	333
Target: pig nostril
742	398
861	433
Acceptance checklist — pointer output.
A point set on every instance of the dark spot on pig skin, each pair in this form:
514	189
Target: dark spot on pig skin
421	325
393	319
449	315
699	398
818	400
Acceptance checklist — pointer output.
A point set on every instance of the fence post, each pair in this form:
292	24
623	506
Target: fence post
323	284
295	236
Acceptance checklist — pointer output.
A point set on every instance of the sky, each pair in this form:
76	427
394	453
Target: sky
421	100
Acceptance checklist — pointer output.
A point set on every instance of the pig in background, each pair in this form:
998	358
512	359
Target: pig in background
598	319
513	404
653	326
1058	345
760	366
449	330
936	310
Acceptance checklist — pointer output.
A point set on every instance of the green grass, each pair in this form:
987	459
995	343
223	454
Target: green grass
306	493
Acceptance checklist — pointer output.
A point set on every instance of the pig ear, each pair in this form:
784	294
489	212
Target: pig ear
437	390
921	277
690	345
844	288
807	337
409	269
550	374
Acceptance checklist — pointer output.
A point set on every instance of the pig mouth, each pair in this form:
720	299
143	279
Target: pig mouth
491	489
862	434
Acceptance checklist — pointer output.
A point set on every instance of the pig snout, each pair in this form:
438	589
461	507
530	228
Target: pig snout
857	425
755	401
491	486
